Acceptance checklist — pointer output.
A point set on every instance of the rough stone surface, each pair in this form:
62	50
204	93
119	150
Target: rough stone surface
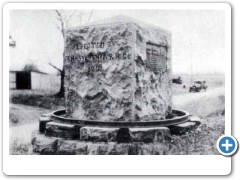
67	147
96	134
100	148
43	120
108	149
44	145
60	130
184	127
120	135
152	149
148	135
120	149
118	72
81	148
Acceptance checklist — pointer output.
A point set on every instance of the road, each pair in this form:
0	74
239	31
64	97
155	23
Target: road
201	103
189	97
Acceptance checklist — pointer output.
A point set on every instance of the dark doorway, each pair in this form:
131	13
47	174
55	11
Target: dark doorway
23	80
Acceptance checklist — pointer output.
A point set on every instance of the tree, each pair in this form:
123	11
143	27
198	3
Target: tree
12	43
64	19
31	67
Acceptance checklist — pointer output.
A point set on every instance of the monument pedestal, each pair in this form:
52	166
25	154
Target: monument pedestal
63	139
45	145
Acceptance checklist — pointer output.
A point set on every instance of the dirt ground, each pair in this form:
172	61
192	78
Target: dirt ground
202	103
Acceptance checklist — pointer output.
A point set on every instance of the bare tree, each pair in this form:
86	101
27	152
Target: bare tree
31	67
12	43
64	19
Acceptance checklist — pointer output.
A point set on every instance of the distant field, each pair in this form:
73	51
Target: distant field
212	80
39	99
14	92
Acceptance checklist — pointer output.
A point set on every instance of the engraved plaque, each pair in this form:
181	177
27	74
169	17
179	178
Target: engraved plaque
156	57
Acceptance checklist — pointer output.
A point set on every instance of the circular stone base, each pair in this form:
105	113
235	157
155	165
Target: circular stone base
61	138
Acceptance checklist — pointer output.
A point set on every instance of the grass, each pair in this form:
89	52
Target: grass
20	114
20	138
201	141
38	100
18	148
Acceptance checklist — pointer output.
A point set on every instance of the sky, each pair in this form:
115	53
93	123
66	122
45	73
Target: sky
198	37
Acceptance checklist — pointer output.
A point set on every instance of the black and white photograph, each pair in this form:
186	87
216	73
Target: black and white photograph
116	81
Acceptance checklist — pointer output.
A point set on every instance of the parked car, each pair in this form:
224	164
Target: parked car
198	86
177	80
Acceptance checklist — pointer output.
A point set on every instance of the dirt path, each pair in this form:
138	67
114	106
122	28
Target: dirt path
21	114
23	121
22	133
201	103
188	97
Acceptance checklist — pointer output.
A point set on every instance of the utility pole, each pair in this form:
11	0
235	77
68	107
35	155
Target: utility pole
190	43
190	46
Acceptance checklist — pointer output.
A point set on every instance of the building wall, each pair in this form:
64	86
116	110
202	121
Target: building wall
12	80
38	81
44	81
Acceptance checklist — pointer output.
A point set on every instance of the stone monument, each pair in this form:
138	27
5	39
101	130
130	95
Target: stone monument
118	72
117	93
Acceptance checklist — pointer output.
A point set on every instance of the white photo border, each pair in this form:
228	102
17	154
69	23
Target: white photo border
115	165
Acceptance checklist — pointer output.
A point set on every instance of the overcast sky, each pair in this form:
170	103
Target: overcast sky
197	36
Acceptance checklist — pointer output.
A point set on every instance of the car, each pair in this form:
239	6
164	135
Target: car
198	86
177	80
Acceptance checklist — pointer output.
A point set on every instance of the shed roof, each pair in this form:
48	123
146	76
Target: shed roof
30	71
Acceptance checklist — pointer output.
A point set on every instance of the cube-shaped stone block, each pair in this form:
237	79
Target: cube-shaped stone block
96	134
184	127
61	130
44	145
147	135
118	72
